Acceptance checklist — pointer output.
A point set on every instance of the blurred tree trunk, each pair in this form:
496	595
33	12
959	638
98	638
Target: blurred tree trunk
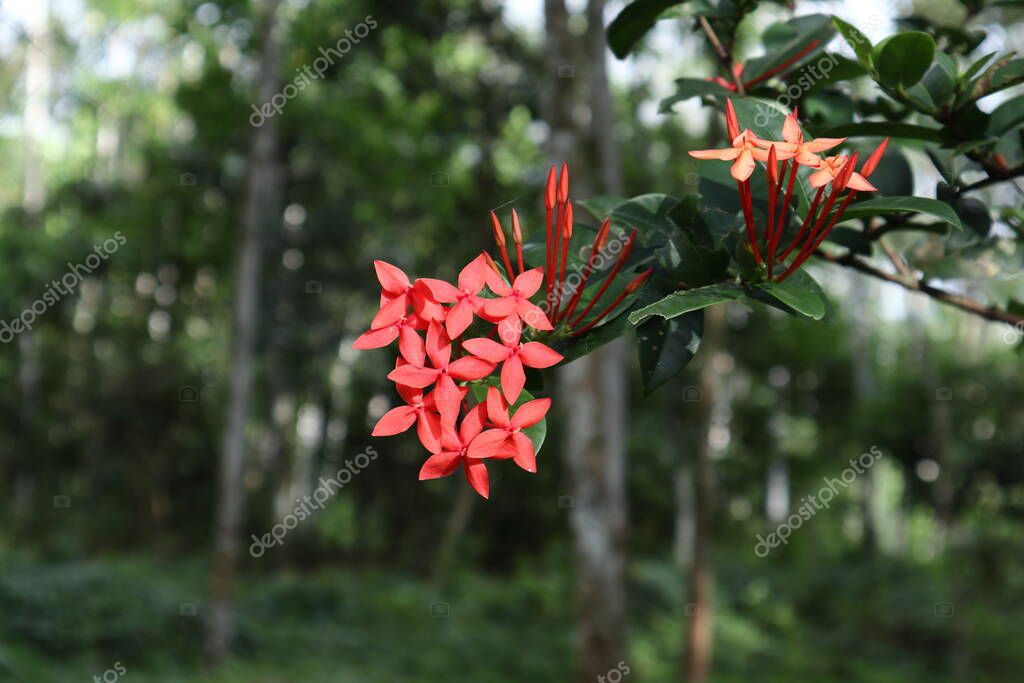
35	127
262	199
698	616
595	387
864	390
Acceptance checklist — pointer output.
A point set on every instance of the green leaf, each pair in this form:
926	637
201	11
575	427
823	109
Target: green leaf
666	346
599	207
941	78
537	433
903	59
688	300
800	292
879	129
885	205
858	41
1006	116
633	23
785	40
687	88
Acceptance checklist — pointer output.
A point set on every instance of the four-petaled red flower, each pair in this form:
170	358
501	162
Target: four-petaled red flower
507	438
471	282
514	301
454	448
513	355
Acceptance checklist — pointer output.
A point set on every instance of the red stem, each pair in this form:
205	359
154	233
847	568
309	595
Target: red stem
808	219
789	62
748	216
611	276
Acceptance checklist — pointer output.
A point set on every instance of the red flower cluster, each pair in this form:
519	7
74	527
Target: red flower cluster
793	151
435	365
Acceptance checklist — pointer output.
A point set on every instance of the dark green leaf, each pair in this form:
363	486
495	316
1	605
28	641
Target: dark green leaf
786	40
903	59
1006	116
800	292
688	300
878	129
858	41
666	346
633	23
921	205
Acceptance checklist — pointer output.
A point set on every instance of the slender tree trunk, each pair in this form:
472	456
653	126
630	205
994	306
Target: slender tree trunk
698	614
262	198
596	386
864	389
35	127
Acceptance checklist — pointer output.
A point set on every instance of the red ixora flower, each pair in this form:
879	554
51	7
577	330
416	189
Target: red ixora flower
454	447
513	355
837	171
507	438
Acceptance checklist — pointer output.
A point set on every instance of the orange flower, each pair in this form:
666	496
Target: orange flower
804	151
745	150
830	168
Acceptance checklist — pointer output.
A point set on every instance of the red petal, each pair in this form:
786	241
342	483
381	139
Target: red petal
460	316
375	339
439	348
498	309
439	465
395	421
476	475
428	429
510	330
473	423
448	399
391	278
411	376
525	457
390	313
497	411
537	355
410	345
474	275
530	413
470	368
529	282
496	283
488	349
487	444
441	291
532	315
512	378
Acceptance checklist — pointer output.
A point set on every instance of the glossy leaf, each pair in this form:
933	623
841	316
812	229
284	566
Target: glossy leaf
666	346
800	292
678	303
903	59
633	23
881	206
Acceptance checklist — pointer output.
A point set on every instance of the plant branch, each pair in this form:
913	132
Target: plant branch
723	54
919	285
